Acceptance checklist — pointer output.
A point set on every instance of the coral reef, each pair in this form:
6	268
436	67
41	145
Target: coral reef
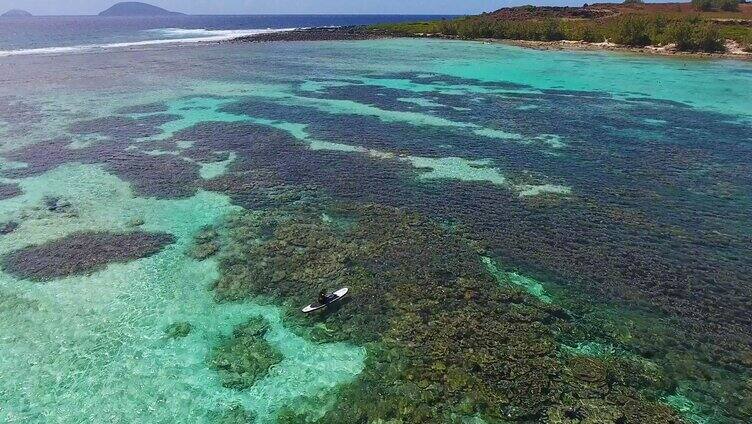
624	211
59	205
178	330
122	128
9	190
163	176
205	244
625	235
288	416
235	415
8	227
244	358
444	339
82	253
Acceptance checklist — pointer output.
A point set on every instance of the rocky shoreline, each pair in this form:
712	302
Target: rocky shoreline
733	52
356	33
352	33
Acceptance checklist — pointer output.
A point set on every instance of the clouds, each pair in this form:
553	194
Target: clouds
78	7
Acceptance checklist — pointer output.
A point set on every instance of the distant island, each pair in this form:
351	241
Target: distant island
16	13
134	8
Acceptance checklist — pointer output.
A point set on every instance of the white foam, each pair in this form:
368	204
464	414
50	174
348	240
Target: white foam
188	36
201	32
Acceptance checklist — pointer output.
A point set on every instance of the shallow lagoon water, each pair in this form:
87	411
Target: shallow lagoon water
609	185
95	346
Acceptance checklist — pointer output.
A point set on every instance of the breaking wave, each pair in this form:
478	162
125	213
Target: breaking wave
174	36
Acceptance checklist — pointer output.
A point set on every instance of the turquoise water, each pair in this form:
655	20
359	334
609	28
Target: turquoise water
94	347
588	181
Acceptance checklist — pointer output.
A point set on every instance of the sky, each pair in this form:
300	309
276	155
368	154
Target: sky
91	7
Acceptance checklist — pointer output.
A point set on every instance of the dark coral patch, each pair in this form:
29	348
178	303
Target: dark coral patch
122	128
9	190
246	357
40	157
163	176
371	132
238	137
205	155
178	330
8	227
164	145
20	115
270	161
206	244
82	253
17	111
636	208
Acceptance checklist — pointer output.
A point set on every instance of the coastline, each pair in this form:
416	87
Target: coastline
355	33
566	45
344	33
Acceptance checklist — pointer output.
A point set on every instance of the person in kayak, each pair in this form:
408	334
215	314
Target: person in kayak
324	298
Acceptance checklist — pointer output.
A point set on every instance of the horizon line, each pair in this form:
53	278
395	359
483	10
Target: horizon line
242	14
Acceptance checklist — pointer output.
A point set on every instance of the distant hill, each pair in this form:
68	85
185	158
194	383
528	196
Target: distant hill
134	8
16	13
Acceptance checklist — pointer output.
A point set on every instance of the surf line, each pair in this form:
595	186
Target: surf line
84	48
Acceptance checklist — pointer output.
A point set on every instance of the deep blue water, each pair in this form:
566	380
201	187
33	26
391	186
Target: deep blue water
66	31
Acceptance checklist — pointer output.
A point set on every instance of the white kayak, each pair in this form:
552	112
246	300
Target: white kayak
333	298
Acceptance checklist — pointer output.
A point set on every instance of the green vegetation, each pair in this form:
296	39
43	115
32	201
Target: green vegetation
740	33
631	30
689	32
703	5
689	37
708	5
728	5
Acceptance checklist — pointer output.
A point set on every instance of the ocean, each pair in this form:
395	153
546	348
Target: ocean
61	33
527	236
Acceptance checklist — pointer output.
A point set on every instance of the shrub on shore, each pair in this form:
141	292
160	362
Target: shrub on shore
635	30
706	38
583	31
537	30
708	5
728	5
703	5
631	30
